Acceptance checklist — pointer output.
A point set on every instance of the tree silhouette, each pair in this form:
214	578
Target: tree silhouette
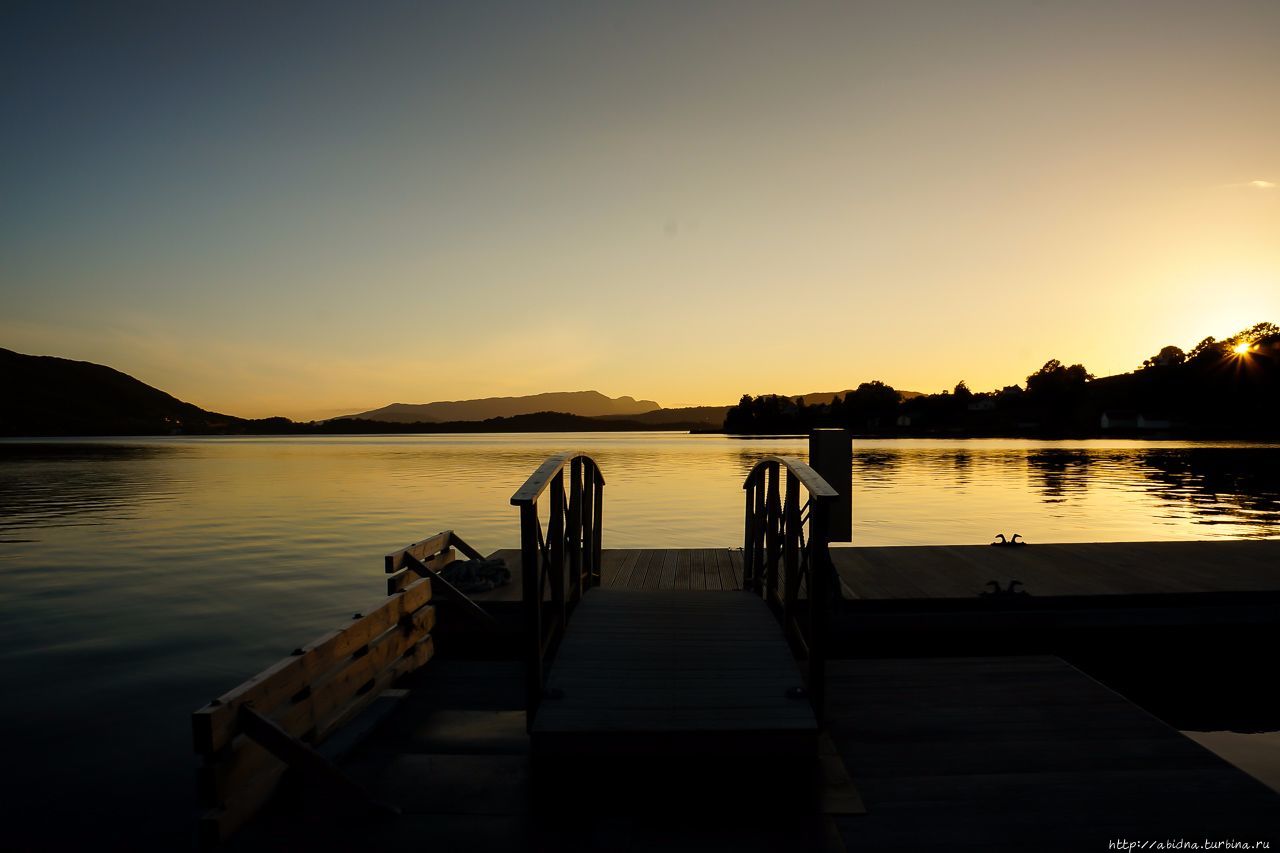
1169	356
1055	380
1218	389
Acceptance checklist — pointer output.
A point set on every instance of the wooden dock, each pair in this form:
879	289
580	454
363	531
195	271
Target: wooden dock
738	699
968	754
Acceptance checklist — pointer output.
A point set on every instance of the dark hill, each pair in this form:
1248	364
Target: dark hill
43	395
583	403
530	422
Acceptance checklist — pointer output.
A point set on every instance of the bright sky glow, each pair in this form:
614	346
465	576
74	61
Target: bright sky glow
314	208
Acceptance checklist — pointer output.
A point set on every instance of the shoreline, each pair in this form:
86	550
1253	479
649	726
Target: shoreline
1126	435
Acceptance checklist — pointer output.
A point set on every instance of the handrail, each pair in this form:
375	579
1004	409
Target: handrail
541	478
573	533
774	543
809	478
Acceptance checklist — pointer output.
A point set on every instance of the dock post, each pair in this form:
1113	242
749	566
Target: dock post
821	589
772	533
556	543
576	517
831	455
590	563
531	578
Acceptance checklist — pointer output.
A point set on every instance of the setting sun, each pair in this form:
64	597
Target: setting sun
1240	349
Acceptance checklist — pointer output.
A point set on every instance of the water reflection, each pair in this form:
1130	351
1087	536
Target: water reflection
1238	487
44	485
1061	472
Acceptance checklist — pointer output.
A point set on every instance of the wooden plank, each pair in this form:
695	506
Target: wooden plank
247	797
735	564
709	575
313	716
651	563
542	476
817	487
667	580
213	726
611	562
401	579
422	551
626	567
725	569
868	579
683	569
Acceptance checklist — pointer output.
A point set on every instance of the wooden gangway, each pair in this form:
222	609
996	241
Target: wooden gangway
654	672
674	672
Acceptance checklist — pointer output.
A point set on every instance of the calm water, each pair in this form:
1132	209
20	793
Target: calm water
141	577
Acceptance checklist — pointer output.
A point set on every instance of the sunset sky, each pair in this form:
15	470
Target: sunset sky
314	209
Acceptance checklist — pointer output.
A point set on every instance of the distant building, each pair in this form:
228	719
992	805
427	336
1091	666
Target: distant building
1149	422
982	404
904	420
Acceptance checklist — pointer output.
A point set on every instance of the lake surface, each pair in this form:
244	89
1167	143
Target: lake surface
141	577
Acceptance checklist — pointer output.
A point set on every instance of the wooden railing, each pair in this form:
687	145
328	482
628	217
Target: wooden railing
281	718
571	540
426	559
792	571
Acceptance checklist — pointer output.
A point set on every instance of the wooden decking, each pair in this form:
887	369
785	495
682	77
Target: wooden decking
955	573
974	753
968	754
674	672
1024	753
933	572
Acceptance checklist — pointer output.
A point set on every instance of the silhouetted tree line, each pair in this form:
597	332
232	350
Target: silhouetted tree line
1227	388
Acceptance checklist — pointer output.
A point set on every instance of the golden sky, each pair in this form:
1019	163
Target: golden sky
315	210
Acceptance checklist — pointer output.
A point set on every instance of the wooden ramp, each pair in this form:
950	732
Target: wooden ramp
688	672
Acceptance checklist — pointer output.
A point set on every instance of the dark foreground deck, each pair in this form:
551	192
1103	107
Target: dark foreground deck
674	673
948	754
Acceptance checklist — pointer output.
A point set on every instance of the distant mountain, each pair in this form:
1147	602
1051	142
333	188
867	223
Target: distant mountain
531	422
590	404
43	395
